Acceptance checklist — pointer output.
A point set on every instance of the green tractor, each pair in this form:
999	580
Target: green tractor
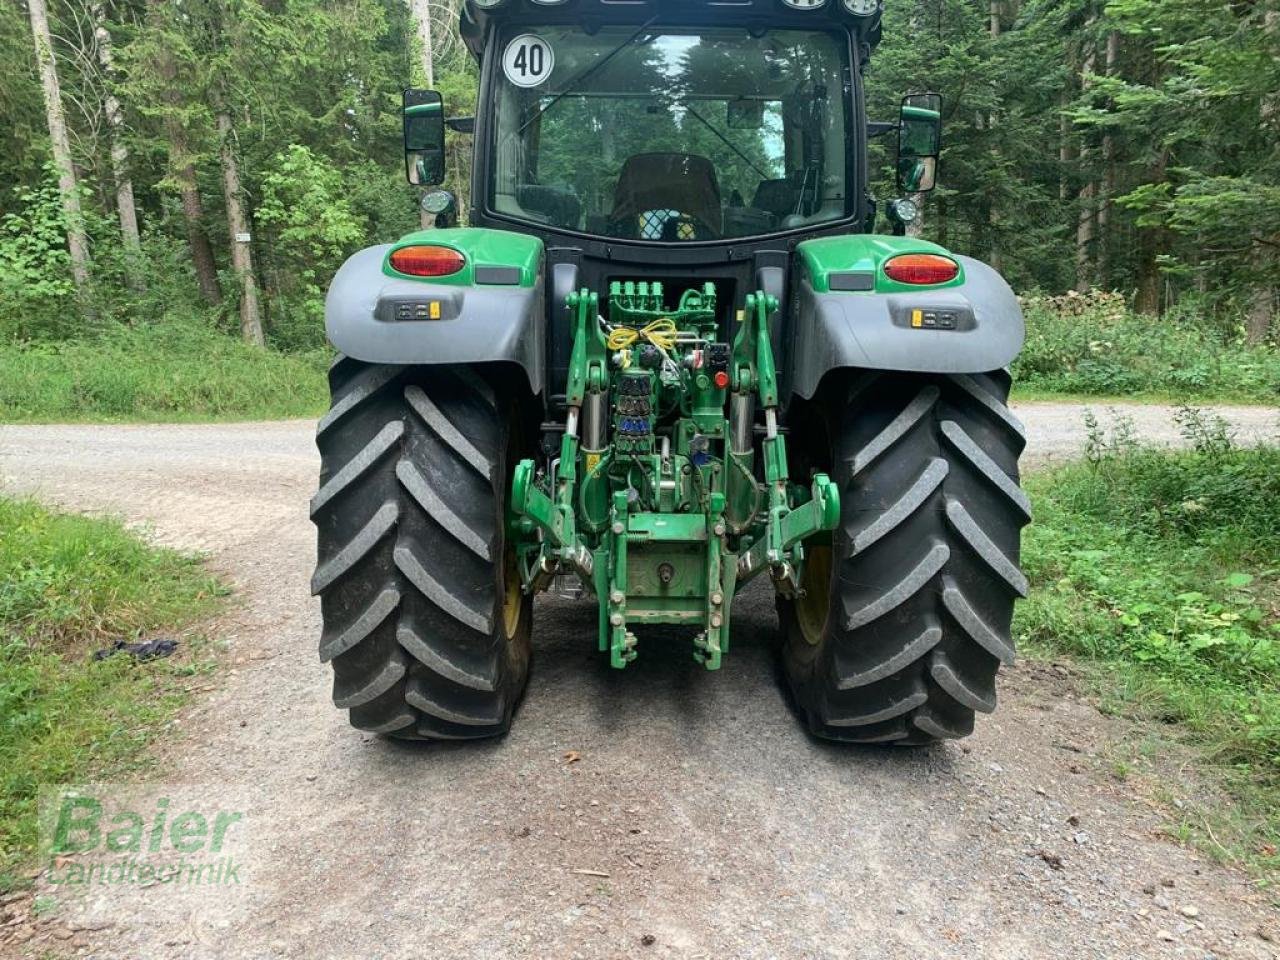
669	356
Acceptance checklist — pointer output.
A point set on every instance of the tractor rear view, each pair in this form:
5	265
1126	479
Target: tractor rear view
667	357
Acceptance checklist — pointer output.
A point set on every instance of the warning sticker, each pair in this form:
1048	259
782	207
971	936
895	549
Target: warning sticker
528	61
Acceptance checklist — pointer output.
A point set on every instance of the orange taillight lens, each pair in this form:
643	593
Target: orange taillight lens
427	261
922	268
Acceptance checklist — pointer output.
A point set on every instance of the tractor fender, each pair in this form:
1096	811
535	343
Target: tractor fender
848	314
491	311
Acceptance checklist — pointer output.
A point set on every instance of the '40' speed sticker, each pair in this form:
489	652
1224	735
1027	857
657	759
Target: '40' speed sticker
528	61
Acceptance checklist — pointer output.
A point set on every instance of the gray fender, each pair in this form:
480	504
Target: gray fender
372	317
845	330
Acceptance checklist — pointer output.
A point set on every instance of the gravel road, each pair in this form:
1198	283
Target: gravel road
658	812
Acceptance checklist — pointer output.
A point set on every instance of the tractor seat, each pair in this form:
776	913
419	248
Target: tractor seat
778	197
558	204
667	196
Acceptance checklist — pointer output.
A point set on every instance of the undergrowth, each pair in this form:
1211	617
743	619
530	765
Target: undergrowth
1093	345
158	372
71	585
1165	567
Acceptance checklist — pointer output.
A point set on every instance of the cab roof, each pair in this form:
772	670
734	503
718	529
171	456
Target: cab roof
752	14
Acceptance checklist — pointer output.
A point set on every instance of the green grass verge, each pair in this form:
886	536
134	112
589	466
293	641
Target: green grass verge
157	374
70	585
184	370
1165	570
1094	346
1028	394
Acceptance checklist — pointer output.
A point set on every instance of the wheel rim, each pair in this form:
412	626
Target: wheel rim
813	606
512	596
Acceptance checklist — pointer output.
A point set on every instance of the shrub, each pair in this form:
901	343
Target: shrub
1167	567
167	371
1092	344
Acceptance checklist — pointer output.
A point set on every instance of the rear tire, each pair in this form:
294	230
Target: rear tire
906	616
425	625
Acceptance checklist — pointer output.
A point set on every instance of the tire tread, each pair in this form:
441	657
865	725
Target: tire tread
928	553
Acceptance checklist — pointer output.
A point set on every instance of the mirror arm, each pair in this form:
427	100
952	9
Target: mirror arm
878	128
461	124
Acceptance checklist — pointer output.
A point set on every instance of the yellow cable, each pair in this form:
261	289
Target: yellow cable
661	333
622	338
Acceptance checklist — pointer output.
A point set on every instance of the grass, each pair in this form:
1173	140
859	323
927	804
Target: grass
70	585
1026	394
183	370
158	373
1094	346
1164	569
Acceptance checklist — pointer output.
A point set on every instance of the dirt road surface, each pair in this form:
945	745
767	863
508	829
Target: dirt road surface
657	812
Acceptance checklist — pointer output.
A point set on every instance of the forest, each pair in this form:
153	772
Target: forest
207	164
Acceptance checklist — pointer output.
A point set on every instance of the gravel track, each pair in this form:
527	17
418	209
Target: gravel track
696	813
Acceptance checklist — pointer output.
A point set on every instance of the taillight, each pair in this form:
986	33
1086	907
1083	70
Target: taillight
427	261
921	268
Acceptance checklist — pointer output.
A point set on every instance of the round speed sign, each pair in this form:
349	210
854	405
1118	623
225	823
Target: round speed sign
528	61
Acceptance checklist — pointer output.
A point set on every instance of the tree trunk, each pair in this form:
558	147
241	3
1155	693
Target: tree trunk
1109	173
421	12
126	209
193	213
241	253
68	188
992	230
1086	224
1066	152
1151	241
915	228
183	172
1262	301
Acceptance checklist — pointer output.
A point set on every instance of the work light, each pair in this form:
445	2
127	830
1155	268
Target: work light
438	201
903	210
862	8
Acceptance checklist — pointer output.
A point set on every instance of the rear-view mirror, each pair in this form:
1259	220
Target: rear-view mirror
424	137
919	142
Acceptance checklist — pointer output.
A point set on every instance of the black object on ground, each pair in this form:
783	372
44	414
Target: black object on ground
150	650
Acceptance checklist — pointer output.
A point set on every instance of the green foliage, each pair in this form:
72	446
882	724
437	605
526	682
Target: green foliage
72	585
1205	108
313	228
1129	145
36	292
168	371
998	195
22	135
1166	567
1094	344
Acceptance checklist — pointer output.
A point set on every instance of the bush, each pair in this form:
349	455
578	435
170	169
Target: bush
1094	345
168	371
1167	567
36	292
311	228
